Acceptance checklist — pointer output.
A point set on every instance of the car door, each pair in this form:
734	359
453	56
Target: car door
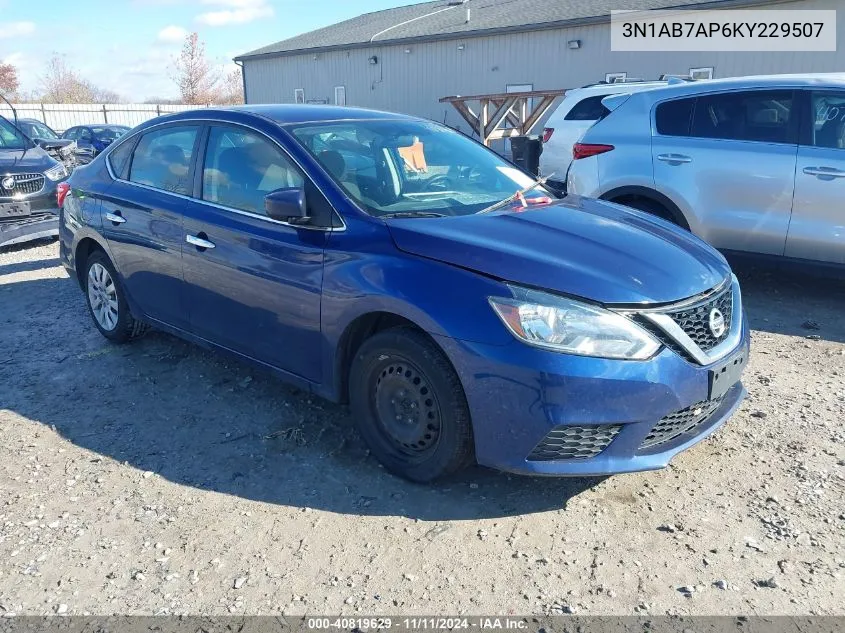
817	229
253	283
85	142
728	160
142	218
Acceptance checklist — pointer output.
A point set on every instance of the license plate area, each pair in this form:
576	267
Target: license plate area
727	374
14	209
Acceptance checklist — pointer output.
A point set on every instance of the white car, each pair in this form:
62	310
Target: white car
577	112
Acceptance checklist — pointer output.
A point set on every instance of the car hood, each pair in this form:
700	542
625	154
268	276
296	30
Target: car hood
577	246
24	160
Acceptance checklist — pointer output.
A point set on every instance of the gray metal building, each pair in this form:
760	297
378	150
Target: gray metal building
405	59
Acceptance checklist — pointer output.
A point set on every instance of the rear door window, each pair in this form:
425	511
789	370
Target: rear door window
242	167
589	109
758	115
162	159
673	117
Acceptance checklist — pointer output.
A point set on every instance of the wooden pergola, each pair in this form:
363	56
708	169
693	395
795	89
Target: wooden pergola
505	114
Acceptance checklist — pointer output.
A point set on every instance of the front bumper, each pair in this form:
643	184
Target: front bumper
41	224
43	220
518	394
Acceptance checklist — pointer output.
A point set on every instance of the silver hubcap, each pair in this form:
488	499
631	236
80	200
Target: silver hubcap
102	296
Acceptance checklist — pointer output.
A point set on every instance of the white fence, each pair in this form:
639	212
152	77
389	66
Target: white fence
61	116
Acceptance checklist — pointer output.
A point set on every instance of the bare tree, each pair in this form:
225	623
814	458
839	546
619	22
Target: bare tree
232	90
9	83
193	73
62	84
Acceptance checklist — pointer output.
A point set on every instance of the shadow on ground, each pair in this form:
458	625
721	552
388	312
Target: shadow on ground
200	419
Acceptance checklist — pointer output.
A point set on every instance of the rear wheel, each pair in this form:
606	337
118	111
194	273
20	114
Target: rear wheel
409	405
649	206
107	302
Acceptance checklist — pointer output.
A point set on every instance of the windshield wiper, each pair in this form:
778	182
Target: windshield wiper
413	214
503	203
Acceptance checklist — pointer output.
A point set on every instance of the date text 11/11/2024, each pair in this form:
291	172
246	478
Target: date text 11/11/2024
421	623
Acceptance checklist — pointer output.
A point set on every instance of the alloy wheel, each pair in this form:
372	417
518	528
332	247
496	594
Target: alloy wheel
102	297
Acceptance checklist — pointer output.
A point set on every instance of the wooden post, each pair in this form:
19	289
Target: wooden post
105	114
485	119
522	111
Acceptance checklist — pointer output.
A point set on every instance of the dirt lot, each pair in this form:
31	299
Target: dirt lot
160	478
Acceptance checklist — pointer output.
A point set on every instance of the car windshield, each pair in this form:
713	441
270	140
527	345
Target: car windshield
108	133
11	137
38	130
412	167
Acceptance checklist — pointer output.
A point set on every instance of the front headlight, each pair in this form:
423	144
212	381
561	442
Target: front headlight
56	173
570	326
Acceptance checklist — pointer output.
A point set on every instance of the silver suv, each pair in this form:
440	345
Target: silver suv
753	164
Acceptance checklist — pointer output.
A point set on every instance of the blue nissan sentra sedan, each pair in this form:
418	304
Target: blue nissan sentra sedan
464	313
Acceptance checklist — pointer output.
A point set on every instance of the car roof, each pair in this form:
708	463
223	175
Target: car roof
286	114
821	80
620	86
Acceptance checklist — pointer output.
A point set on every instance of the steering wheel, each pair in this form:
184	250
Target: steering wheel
440	181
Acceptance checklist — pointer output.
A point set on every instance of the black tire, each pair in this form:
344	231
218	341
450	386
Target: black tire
434	438
651	207
126	327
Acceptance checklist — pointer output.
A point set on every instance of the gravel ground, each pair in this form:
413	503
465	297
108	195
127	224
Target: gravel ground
159	478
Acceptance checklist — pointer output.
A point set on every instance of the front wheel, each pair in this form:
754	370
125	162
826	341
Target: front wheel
107	302
409	406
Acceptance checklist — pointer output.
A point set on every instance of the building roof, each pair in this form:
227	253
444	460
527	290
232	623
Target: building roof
447	19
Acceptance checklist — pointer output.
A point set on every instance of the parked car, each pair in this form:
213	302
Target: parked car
579	109
462	312
63	150
35	129
752	165
28	188
93	139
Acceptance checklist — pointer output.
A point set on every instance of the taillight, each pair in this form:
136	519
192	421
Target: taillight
61	193
547	134
585	150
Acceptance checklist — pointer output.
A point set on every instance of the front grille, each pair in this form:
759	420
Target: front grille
574	442
695	321
25	184
680	422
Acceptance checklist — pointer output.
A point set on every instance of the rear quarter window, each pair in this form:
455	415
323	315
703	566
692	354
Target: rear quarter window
673	117
119	158
589	109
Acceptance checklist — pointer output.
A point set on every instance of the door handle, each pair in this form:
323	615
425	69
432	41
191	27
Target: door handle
115	217
830	172
674	158
199	242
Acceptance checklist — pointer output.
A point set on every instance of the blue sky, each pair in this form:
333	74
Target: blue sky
127	45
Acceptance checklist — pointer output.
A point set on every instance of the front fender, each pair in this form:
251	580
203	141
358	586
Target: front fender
441	299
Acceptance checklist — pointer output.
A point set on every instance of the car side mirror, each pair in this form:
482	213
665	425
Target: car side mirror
287	204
